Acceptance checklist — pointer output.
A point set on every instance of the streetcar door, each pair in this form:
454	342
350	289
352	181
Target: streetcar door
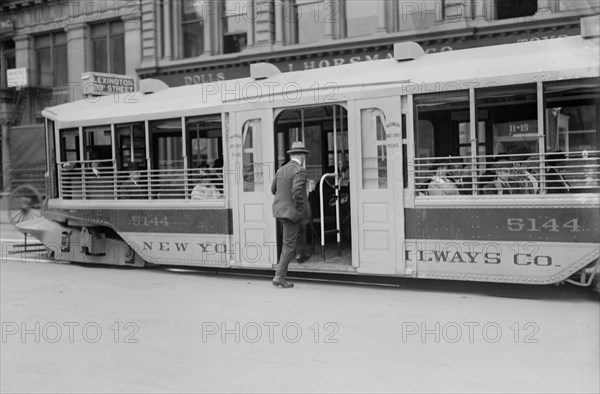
378	148
324	131
254	243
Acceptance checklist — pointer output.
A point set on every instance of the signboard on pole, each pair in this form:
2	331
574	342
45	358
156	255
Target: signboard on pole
99	84
17	77
7	27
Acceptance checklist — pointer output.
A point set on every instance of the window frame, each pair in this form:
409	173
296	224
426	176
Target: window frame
226	15
52	47
6	53
181	23
335	17
107	38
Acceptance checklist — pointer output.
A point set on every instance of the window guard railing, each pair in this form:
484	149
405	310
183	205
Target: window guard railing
573	172
83	180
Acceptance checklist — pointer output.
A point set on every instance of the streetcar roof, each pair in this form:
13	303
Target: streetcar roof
554	59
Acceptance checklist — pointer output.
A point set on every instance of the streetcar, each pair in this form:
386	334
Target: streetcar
474	165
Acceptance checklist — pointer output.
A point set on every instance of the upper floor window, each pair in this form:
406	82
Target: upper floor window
238	17
7	59
192	25
572	5
506	9
361	18
310	20
416	15
108	47
51	59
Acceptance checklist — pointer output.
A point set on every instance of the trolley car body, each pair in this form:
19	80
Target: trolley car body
377	132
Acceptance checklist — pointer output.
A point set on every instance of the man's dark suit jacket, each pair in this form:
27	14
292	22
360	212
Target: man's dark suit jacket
289	188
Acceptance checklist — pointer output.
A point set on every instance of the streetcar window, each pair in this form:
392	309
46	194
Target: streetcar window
166	158
131	143
204	141
97	143
252	156
166	142
373	142
572	135
69	145
510	117
425	139
572	115
441	123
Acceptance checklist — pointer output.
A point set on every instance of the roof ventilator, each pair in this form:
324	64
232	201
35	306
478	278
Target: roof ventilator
152	85
407	51
590	26
263	70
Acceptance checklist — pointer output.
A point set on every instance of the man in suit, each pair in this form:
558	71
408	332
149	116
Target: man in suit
291	209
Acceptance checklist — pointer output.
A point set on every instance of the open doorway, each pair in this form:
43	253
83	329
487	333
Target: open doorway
324	131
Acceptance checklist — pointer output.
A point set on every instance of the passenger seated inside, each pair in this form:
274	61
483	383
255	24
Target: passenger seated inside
511	175
505	179
501	182
133	187
555	182
95	169
218	163
525	182
205	188
441	183
97	186
460	174
218	166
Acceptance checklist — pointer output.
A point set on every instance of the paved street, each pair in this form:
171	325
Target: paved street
71	328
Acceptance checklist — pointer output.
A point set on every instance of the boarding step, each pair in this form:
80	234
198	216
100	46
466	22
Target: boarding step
28	247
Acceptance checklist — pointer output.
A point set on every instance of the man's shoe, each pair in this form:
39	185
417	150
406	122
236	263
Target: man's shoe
282	283
301	258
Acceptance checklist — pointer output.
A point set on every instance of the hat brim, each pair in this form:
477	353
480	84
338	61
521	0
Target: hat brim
291	151
503	164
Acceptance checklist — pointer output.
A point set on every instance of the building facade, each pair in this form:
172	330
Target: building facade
184	42
197	41
52	43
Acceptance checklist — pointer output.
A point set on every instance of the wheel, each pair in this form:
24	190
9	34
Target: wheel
24	203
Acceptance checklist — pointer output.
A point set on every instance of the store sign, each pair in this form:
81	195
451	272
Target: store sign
7	27
367	54
98	84
17	77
